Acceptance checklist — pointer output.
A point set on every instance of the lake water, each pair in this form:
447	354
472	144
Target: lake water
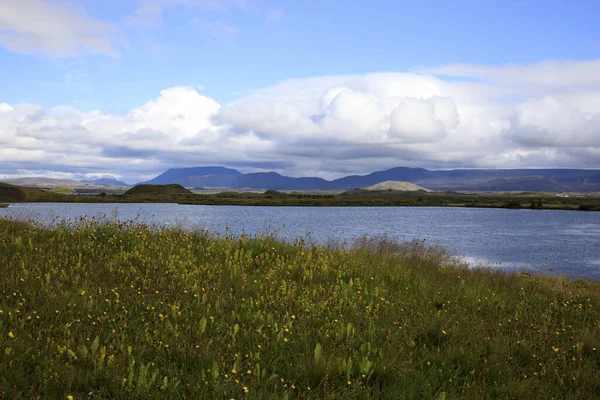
555	242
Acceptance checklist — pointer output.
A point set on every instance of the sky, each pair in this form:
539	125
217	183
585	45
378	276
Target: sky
129	88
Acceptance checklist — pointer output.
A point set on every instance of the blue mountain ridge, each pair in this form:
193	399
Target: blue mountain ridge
547	180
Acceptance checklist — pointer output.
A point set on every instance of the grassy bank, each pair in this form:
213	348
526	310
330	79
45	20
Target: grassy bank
125	311
3	205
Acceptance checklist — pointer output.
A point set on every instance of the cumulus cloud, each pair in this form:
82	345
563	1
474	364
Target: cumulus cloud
44	26
328	126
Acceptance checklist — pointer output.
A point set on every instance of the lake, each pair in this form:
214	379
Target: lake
553	242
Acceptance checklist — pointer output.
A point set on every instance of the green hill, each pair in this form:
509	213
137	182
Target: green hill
145	189
12	193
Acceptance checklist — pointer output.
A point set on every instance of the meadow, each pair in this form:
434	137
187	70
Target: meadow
122	310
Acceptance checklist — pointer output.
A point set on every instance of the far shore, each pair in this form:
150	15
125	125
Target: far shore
355	198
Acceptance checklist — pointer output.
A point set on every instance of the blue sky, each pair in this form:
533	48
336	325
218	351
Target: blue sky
303	39
116	56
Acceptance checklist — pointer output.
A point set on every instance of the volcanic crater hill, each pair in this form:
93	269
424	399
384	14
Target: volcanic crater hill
397	186
547	180
10	193
147	189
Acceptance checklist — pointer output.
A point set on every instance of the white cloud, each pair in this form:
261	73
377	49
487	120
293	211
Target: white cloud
332	125
546	73
49	27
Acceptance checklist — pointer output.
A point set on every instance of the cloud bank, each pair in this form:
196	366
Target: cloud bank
539	115
59	30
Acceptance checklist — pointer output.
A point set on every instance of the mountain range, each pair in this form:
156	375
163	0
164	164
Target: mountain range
535	180
222	178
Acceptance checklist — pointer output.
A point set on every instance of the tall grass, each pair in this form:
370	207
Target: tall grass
122	310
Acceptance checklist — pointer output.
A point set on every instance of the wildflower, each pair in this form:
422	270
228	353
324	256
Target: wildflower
249	372
69	397
245	388
349	383
444	332
11	335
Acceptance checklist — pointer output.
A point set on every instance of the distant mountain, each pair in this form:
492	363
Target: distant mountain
106	182
520	184
192	176
404	174
49	183
546	180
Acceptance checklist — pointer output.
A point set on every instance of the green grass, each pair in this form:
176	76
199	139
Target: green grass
127	311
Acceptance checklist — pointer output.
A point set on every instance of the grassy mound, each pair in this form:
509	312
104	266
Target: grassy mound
145	189
10	193
125	311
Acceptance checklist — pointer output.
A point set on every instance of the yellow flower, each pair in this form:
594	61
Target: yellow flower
249	372
10	335
444	332
245	388
69	397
